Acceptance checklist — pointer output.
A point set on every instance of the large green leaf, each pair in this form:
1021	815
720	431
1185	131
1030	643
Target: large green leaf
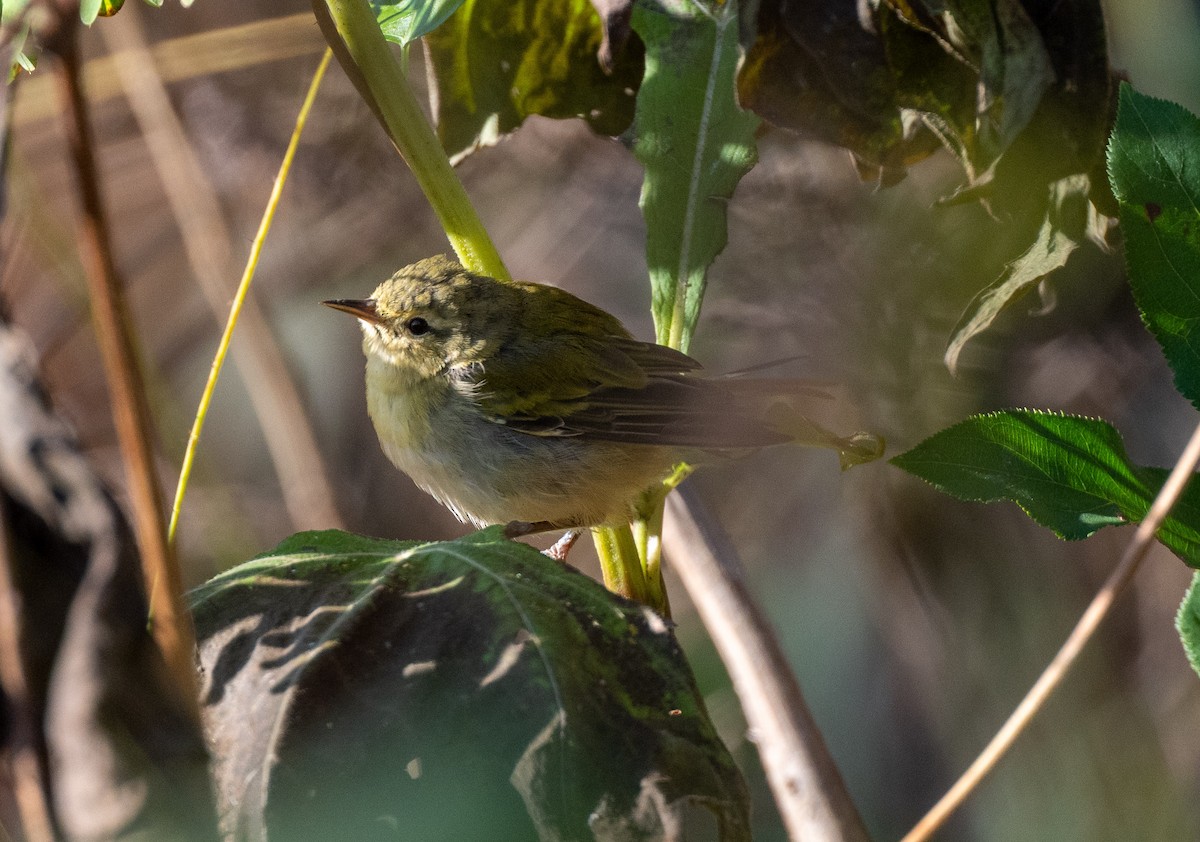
1188	623
1154	164
1068	473
463	690
496	62
695	143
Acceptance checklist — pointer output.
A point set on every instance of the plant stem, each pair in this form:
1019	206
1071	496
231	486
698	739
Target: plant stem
623	574
172	625
283	418
812	798
1057	669
352	31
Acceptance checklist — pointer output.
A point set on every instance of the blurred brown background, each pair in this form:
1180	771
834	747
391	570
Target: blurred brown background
914	622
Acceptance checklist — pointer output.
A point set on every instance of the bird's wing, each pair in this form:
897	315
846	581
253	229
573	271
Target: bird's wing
616	389
559	372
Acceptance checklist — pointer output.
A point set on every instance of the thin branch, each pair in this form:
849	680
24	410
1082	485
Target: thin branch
809	791
282	416
1062	662
110	315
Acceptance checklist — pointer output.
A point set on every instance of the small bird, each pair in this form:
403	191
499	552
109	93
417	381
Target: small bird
518	403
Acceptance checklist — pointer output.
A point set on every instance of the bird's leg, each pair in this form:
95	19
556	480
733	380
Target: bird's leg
518	528
563	545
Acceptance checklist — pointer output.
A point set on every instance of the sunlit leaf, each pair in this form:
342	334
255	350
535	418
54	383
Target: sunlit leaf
494	64
408	20
695	144
1062	232
1154	164
1069	474
89	10
462	690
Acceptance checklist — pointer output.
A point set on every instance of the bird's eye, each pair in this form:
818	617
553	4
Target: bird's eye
417	326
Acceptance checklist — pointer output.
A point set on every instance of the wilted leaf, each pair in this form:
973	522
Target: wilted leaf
91	715
461	690
1188	623
695	143
816	70
1069	474
1062	232
494	64
1154	163
1018	92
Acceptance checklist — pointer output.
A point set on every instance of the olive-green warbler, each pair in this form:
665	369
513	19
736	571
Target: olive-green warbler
518	402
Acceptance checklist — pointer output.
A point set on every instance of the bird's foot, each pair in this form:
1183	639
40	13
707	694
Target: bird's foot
563	545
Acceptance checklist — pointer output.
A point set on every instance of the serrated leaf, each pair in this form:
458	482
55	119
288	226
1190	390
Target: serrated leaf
351	681
494	64
1068	473
1154	166
695	144
405	21
1187	621
1062	232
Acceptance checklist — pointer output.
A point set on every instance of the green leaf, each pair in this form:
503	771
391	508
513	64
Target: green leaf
1062	232
89	10
406	21
350	681
1154	165
1068	473
695	143
496	63
1000	39
1188	623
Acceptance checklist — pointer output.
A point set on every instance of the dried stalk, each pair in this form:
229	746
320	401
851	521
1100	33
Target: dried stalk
809	791
172	624
1057	670
282	416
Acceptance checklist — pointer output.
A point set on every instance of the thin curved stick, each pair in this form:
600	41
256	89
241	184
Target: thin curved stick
242	290
1062	662
172	624
282	416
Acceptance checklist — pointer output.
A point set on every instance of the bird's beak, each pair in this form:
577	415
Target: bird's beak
362	308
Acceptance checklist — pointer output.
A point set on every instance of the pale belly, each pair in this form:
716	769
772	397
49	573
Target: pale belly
486	473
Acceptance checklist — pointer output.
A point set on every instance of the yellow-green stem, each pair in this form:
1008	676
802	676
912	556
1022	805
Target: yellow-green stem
239	298
353	33
619	563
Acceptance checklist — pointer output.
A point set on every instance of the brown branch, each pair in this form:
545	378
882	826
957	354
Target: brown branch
1057	669
283	418
110	316
809	791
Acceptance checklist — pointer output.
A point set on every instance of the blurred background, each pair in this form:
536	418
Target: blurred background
914	622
